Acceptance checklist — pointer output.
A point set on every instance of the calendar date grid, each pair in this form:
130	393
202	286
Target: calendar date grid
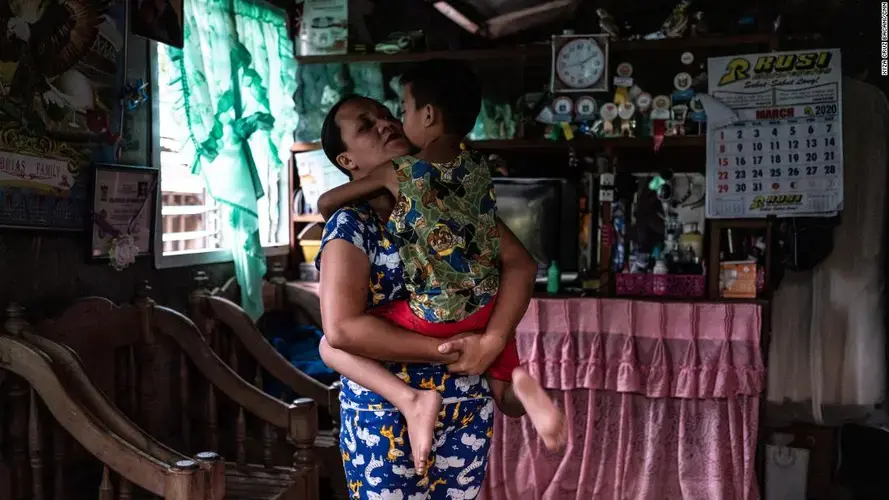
791	156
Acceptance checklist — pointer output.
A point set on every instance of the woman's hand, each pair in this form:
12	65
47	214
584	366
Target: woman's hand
476	352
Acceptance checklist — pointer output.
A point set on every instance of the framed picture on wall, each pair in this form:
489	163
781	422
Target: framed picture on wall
158	20
122	213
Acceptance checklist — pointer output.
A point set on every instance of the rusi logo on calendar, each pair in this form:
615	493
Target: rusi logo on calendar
776	202
771	65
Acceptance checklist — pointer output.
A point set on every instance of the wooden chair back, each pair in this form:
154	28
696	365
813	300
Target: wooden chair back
165	376
236	338
45	379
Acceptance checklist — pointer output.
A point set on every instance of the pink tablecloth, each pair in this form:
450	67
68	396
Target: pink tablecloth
663	401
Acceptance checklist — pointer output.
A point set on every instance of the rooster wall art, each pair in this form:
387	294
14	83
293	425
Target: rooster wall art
57	57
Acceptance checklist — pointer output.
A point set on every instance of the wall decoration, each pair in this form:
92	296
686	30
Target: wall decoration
785	155
135	94
159	20
59	102
122	213
316	176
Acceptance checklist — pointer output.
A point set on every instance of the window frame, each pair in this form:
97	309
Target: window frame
199	257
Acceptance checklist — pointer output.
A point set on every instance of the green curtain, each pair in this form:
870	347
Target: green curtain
236	74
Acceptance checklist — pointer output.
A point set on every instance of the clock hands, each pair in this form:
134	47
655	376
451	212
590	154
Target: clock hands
579	63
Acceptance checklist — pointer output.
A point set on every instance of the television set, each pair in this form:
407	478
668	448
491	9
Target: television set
543	214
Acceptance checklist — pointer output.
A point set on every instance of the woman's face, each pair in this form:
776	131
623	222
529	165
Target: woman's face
371	134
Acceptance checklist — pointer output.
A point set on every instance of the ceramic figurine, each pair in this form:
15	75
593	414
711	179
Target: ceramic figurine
699	24
675	25
607	24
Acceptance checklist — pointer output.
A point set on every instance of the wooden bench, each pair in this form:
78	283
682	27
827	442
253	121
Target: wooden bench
236	338
39	378
167	378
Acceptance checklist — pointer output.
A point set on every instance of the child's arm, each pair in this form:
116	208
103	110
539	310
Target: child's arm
382	177
340	196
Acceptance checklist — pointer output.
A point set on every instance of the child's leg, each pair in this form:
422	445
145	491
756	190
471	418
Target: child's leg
419	407
505	397
525	395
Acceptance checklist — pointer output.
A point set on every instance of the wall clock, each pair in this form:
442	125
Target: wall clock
579	63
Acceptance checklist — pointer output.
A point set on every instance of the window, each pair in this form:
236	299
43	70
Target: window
190	227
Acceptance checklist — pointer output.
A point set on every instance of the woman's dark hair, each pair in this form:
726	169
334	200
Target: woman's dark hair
331	135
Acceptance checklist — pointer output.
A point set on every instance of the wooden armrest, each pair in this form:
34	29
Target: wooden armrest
69	366
304	298
189	338
265	354
179	481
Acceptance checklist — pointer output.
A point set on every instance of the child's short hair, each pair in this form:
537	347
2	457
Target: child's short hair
451	87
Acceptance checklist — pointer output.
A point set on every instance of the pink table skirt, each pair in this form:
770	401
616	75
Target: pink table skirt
662	398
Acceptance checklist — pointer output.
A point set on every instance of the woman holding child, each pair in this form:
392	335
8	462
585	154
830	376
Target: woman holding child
419	424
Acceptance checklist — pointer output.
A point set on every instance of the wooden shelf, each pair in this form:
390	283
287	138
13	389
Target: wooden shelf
536	50
308	218
691	43
541	50
584	143
302	147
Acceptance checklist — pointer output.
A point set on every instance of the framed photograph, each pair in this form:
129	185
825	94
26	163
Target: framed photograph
158	20
122	213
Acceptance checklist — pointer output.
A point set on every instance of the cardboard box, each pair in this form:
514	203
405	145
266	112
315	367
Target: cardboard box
737	279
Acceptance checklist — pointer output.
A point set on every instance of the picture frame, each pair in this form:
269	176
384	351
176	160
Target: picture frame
122	202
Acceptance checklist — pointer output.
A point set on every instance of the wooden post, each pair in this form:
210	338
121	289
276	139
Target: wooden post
183	484
18	405
214	468
276	278
147	363
303	431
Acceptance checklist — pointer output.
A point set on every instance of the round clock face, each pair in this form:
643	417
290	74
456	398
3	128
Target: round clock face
580	63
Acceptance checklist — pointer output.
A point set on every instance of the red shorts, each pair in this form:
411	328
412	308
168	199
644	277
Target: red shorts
400	313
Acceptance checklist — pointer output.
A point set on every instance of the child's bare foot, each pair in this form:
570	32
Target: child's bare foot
421	414
546	418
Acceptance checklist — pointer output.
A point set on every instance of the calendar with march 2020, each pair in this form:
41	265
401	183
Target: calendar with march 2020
784	156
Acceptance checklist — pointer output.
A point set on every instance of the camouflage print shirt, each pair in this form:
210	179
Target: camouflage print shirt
444	224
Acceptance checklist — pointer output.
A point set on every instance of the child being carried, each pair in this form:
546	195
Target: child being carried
444	224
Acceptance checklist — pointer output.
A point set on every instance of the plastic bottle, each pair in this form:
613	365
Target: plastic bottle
553	278
660	278
691	242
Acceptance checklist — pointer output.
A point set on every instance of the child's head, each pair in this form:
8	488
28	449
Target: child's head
441	97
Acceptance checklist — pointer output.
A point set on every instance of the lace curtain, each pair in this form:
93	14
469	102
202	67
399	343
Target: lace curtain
236	74
662	401
827	360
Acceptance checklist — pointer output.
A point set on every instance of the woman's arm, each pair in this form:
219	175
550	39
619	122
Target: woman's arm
344	282
517	273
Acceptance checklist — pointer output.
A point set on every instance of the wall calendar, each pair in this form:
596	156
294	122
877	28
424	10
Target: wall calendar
784	156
